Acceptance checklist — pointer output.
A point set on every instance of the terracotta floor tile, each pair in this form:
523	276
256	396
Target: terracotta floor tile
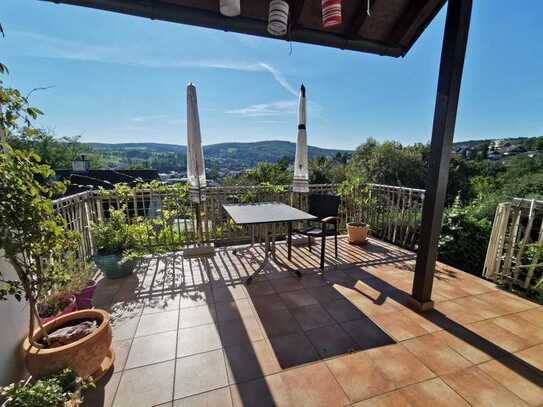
161	303
278	323
103	394
431	393
121	349
157	322
200	373
313	280
366	334
436	354
293	350
198	339
399	365
258	288
325	294
268	303
214	398
458	312
196	296
399	326
312	316
269	391
484	308
533	356
283	285
146	386
314	386
298	298
359	376
331	341
124	328
479	389
250	361
151	349
227	311
471	346
526	382
343	310
202	315
512	302
531	333
379	306
533	316
229	293
237	332
499	336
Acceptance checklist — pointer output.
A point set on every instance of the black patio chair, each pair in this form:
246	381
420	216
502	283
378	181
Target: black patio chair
325	208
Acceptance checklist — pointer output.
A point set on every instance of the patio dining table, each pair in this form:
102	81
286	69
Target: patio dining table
262	216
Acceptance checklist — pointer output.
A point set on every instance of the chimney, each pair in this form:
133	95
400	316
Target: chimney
80	164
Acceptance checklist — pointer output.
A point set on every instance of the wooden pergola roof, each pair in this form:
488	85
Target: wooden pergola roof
391	29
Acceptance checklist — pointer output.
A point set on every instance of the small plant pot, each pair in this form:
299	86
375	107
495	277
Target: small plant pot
90	355
84	297
70	307
357	232
114	265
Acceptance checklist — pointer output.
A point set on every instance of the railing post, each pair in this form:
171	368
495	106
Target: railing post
448	91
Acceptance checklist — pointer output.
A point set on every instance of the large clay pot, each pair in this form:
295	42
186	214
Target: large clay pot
88	356
70	307
357	232
84	297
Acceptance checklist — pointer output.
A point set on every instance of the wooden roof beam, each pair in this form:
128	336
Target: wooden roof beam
412	22
360	19
165	11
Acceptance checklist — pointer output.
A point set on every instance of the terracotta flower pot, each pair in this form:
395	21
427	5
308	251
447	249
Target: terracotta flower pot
84	297
88	356
357	232
71	307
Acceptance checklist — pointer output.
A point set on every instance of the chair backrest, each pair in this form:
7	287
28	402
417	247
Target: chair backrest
322	206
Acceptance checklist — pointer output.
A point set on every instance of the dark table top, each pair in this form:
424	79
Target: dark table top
265	212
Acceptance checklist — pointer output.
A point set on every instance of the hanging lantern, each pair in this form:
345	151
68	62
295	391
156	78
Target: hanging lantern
278	17
230	8
331	13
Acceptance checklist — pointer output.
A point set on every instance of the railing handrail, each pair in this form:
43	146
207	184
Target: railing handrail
394	211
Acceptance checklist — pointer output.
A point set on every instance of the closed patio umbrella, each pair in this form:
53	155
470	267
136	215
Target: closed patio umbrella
196	172
301	168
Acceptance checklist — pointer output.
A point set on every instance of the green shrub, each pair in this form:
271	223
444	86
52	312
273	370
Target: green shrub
464	239
58	390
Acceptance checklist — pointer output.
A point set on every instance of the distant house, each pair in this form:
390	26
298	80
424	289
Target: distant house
82	178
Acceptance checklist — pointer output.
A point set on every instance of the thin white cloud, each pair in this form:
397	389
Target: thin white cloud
267	109
59	48
148	118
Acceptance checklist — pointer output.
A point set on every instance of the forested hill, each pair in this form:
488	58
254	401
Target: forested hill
239	155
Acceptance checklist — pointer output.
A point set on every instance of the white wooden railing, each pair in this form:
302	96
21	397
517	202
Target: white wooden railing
515	248
394	213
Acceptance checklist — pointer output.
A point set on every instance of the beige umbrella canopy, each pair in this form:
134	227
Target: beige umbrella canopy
301	166
196	172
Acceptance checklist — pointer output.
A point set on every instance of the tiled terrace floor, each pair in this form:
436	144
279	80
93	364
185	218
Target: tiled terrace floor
190	333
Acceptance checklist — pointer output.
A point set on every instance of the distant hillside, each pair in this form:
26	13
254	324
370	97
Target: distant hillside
171	156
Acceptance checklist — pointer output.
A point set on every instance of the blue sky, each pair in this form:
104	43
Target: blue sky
119	78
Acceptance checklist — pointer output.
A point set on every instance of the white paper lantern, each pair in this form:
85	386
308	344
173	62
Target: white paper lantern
278	17
230	8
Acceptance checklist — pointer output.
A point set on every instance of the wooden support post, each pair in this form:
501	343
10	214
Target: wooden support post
448	90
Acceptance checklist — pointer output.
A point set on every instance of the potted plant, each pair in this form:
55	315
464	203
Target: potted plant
82	284
112	237
34	240
355	195
62	389
56	305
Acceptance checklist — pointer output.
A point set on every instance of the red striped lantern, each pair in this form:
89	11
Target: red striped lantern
331	13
